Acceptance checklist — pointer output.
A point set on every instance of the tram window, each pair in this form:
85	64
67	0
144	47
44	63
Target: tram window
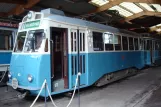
149	44
124	43
117	42
136	43
83	41
80	39
6	40
97	41
75	41
34	41
72	39
156	45
108	40
131	43
20	41
141	44
145	43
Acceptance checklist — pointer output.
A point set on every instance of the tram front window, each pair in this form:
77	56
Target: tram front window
20	41
34	41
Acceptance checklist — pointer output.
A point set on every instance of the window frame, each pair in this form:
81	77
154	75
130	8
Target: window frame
10	41
111	43
102	41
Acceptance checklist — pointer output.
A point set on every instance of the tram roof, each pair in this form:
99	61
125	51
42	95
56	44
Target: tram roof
84	23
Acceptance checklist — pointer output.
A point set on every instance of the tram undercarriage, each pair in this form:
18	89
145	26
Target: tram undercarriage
114	76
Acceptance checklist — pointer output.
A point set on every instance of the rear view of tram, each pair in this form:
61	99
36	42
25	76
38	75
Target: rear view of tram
38	56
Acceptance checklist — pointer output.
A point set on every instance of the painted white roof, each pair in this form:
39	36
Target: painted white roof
88	24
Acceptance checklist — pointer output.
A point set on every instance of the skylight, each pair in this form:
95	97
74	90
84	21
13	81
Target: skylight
121	11
98	2
157	6
146	6
158	25
158	30
132	7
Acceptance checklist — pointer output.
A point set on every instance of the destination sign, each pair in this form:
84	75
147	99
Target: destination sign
31	24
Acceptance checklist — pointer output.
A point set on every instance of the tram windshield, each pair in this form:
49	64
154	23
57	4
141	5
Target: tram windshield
20	41
34	40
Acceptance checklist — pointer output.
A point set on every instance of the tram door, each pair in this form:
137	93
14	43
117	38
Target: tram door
77	56
59	62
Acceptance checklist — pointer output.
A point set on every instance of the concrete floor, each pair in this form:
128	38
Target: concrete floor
142	90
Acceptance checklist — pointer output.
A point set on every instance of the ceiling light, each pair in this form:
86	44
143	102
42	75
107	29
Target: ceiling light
158	30
132	7
121	11
158	25
146	6
98	2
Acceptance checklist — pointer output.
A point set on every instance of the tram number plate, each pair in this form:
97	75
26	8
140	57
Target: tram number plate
14	83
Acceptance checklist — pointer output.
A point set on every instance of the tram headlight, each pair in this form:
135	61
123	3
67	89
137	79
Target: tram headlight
29	15
30	78
9	75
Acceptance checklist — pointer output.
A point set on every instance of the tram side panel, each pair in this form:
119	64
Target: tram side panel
108	62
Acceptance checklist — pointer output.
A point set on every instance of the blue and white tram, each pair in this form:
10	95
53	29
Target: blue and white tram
55	48
7	39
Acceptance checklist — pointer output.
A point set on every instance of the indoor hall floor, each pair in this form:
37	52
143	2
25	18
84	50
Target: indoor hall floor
141	90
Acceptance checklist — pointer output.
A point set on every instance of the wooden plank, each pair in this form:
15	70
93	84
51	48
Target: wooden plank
147	13
20	8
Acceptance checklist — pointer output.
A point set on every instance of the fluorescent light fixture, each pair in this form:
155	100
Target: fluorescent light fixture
146	6
155	26
98	2
132	7
157	6
121	11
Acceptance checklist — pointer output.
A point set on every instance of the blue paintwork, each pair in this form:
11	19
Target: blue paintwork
36	65
103	63
5	57
148	58
157	56
96	65
83	77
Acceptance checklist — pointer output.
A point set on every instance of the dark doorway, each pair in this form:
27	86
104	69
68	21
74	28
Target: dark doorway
59	68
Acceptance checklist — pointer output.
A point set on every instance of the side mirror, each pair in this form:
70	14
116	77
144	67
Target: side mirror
46	46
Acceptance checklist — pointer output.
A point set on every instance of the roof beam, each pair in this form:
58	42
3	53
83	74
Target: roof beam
21	8
147	13
117	2
22	2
